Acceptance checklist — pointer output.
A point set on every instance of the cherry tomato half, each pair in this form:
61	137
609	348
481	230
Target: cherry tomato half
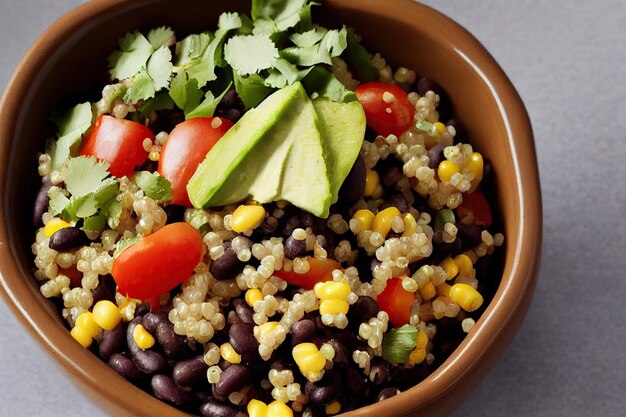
321	270
185	148
158	262
397	302
118	142
476	204
387	107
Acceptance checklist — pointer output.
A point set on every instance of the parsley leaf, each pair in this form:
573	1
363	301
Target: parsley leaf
154	186
71	125
160	36
251	53
160	67
141	88
132	56
85	175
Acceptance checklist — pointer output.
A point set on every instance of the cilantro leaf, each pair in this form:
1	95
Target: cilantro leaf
154	186
107	192
95	223
131	57
114	211
360	60
321	82
207	107
161	101
160	36
250	54
160	67
85	175
331	45
229	21
125	243
285	13
141	88
191	47
308	39
284	73
58	200
83	206
185	93
71	124
251	89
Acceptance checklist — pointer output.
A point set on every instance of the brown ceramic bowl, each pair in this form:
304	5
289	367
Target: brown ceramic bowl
69	61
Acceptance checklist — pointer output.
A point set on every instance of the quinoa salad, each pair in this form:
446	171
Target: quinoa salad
265	219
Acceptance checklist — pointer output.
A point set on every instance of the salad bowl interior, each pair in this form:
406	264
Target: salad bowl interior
69	61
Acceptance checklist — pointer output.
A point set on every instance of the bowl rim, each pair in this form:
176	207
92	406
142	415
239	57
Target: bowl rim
518	289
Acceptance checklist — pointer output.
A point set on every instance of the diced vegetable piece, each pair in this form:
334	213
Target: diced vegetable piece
396	301
320	270
398	344
387	107
475	204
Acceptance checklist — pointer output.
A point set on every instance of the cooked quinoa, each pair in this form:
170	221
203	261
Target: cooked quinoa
251	340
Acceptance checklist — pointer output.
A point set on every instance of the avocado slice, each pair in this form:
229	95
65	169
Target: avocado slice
230	151
342	126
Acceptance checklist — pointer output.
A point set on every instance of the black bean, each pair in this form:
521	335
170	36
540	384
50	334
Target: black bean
241	337
461	134
294	248
105	289
213	408
167	119
353	186
387	393
125	367
151	321
392	176
175	213
302	331
269	225
41	202
231	114
379	373
67	238
343	357
173	345
112	341
355	382
188	372
233	379
292	223
326	389
398	201
226	266
445	104
435	155
442	249
147	361
364	309
243	310
326	241
317	225
470	235
165	389
424	85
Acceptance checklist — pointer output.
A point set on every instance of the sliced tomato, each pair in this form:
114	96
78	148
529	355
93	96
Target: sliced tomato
476	204
118	142
397	302
73	274
185	148
158	262
387	107
321	270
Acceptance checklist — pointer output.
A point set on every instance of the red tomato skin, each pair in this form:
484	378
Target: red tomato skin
185	149
401	112
321	270
73	274
158	262
476	204
118	142
397	302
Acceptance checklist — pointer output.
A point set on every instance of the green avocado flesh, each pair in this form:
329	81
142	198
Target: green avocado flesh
288	148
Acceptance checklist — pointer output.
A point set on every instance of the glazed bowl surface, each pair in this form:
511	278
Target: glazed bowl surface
68	63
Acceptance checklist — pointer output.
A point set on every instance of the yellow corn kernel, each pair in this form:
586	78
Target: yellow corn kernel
382	221
257	408
372	179
229	353
54	225
422	340
366	218
439	127
475	165
333	408
86	322
82	336
334	307
247	217
428	291
466	296
279	409
464	264
417	356
268	327
446	170
410	224
331	290
106	314
450	267
308	358
253	295
443	289
143	339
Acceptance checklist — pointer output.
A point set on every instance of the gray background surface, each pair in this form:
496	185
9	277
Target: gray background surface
568	61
